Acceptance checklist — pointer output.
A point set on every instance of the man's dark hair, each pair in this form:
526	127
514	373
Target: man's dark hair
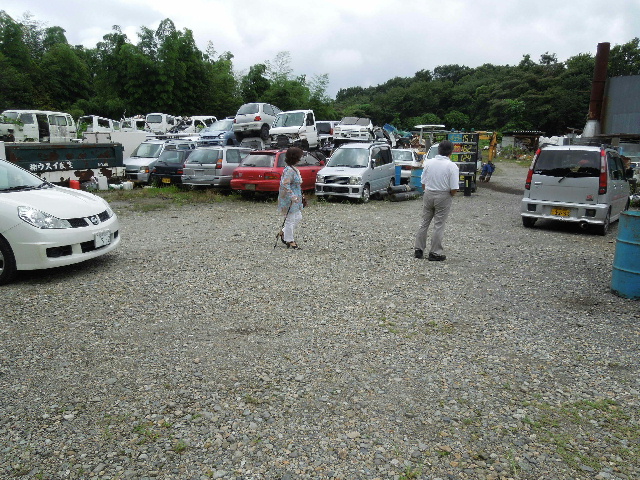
445	148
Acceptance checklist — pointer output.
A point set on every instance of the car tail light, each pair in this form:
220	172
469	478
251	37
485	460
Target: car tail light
257	118
527	183
271	176
219	163
602	185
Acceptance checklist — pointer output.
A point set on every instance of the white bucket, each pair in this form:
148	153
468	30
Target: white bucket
102	183
127	185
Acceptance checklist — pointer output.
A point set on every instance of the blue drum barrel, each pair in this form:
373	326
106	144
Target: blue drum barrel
414	181
625	278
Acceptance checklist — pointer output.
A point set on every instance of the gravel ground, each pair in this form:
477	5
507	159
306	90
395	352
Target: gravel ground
199	351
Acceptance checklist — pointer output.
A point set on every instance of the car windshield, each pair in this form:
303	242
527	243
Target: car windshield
349	157
289	119
248	109
13	178
401	156
219	126
258	160
205	155
154	118
147	150
355	121
568	163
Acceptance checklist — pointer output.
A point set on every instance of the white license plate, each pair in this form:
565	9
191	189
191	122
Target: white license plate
101	239
250	186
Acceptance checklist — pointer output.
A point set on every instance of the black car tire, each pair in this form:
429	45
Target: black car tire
366	194
7	262
528	222
264	132
604	228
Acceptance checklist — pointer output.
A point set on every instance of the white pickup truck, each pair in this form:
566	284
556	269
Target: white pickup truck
296	128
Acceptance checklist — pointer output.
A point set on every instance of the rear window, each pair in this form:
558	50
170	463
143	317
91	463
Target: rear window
248	109
324	127
205	156
261	160
568	163
402	156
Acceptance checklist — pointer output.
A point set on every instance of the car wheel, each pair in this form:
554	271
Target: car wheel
264	132
238	137
7	262
366	194
604	228
528	222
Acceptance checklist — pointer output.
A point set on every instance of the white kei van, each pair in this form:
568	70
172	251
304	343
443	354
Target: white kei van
37	126
582	184
357	170
159	123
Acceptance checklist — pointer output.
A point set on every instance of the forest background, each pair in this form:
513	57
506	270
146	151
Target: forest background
164	71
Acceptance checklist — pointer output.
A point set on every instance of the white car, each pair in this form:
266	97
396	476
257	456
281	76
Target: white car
45	226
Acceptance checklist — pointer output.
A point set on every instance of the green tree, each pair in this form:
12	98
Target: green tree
625	59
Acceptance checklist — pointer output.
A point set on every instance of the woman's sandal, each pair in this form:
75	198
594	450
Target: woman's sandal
293	245
280	234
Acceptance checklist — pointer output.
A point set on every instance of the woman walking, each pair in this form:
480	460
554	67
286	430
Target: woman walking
290	197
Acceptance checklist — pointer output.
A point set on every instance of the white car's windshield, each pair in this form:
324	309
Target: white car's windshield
289	120
147	150
13	178
349	157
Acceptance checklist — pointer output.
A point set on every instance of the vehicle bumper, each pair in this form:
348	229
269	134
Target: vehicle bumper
137	177
208	180
247	127
592	214
255	185
36	248
165	179
338	190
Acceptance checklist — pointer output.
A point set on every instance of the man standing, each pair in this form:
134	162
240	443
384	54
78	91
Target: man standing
440	181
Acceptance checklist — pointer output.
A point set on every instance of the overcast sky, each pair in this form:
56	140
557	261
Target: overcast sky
357	42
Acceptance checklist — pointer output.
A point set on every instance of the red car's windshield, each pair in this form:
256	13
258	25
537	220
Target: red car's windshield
262	160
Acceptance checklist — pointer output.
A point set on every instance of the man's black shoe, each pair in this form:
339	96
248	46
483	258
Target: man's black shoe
418	253
434	257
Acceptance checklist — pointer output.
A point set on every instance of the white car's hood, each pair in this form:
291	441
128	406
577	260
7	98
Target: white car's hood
60	202
351	171
285	130
139	161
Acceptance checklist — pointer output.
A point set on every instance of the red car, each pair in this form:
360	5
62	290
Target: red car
260	171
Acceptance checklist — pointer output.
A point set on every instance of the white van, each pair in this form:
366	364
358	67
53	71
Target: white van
160	123
37	126
357	170
96	124
295	128
582	184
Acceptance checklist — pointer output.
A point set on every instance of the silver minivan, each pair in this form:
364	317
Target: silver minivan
357	170
582	184
212	166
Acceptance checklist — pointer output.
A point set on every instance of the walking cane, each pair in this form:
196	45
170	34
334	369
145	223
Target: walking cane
283	222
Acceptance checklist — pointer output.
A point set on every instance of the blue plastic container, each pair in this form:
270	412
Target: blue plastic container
414	181
398	178
625	278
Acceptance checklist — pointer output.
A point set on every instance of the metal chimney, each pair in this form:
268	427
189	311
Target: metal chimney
592	128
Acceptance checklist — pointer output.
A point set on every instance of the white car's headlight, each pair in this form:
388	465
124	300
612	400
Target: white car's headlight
319	178
355	180
41	219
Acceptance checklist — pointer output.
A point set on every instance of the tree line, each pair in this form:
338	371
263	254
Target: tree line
165	71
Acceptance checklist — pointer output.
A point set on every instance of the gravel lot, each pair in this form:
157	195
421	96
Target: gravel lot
199	351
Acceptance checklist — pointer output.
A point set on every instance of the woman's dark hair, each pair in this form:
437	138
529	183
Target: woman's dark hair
445	148
293	155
